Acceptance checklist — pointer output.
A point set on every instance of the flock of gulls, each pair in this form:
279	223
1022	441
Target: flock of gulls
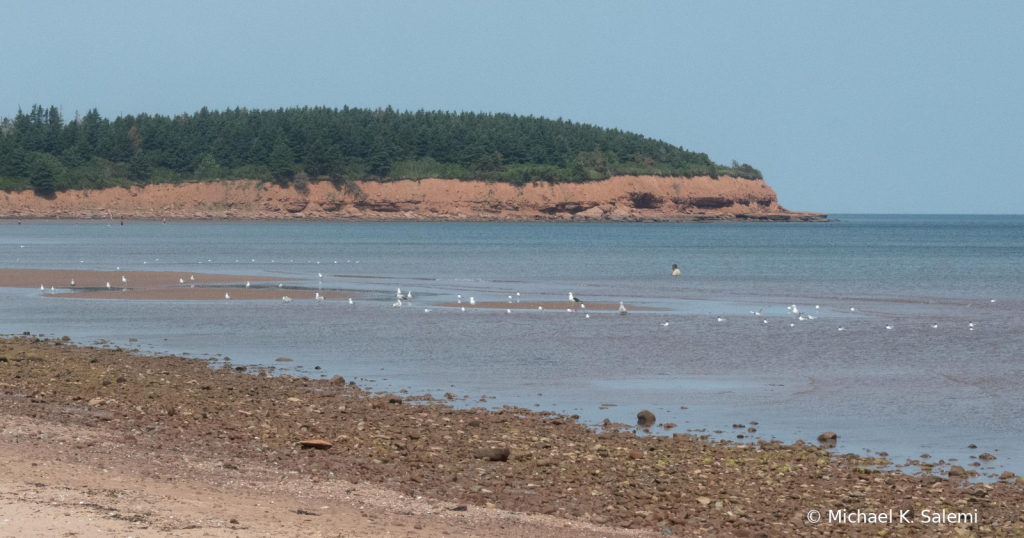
574	301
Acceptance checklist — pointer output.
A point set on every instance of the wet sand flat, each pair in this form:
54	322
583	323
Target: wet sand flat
553	305
203	294
61	278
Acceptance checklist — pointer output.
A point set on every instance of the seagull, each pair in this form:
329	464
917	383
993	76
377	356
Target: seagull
246	284
720	318
460	298
52	290
280	285
226	296
509	298
764	321
319	297
192	278
935	325
758	313
350	300
587	316
124	280
664	324
108	285
463	309
792	324
842	329
320	276
810	317
472	301
622	308
408	296
397	303
583	306
42	288
817	307
971	324
853	309
568	310
888	327
801	318
992	301
508	310
517	296
540	308
427	310
181	281
72	282
573	298
286	299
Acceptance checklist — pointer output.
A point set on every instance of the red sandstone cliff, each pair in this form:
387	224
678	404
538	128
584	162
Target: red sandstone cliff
621	198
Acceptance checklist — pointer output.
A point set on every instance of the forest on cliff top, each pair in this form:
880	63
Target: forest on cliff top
42	150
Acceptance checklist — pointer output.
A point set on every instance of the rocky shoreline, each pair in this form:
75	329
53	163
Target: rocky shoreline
321	431
617	199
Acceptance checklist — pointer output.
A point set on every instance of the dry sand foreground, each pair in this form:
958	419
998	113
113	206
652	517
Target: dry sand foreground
101	442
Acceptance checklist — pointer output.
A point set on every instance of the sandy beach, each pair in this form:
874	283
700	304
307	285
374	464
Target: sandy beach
60	278
550	305
130	441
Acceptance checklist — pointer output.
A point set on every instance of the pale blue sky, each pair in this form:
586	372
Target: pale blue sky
874	107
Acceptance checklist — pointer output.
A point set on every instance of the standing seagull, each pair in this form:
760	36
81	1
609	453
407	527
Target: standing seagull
181	281
108	285
246	284
350	300
226	296
622	308
472	301
573	298
124	280
192	278
72	282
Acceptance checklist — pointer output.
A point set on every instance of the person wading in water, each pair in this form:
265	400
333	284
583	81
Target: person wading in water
675	270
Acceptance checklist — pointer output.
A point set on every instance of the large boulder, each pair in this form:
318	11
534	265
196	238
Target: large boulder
645	419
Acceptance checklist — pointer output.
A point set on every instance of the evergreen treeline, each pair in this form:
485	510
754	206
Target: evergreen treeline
42	151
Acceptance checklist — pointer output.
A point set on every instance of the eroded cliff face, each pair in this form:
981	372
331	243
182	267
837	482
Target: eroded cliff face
621	198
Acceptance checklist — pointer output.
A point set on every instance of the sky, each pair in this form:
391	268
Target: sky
846	107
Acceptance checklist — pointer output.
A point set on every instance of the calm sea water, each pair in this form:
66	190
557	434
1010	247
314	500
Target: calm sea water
909	390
